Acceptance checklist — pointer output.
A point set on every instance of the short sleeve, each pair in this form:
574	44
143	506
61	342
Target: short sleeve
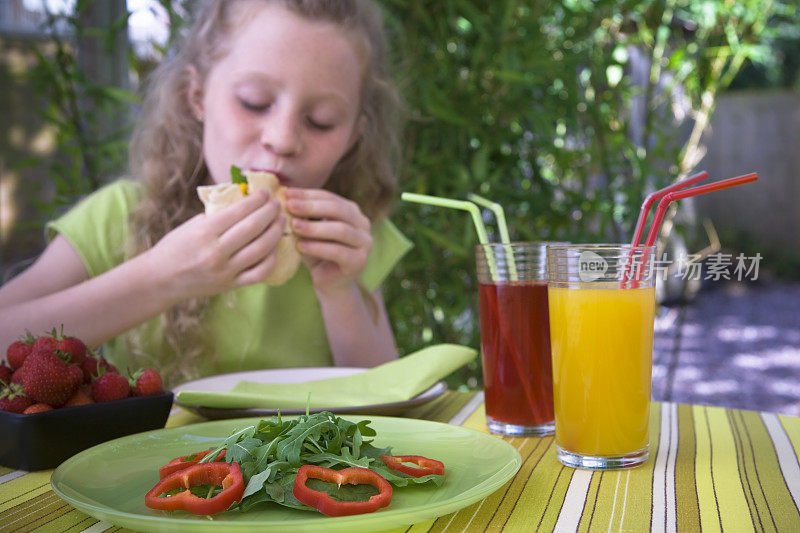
388	247
97	226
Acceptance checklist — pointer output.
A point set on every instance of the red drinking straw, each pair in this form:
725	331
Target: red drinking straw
657	195
646	205
679	195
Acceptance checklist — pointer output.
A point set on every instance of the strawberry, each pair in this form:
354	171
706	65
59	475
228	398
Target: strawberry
74	347
80	398
46	343
145	382
19	350
13	399
110	386
16	377
93	366
48	379
36	408
5	374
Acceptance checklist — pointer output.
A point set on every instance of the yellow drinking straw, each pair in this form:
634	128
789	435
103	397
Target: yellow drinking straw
463	205
500	215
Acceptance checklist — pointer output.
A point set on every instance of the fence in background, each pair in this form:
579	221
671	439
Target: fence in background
757	131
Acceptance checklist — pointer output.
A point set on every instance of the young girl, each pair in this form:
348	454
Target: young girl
295	87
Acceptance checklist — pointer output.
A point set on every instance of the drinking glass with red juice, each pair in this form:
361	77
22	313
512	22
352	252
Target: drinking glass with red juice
515	337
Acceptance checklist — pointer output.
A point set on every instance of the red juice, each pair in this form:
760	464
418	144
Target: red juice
515	345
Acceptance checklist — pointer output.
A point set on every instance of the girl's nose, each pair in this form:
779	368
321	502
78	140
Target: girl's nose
281	134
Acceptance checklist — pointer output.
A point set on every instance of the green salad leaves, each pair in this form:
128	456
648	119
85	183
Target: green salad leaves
270	453
237	176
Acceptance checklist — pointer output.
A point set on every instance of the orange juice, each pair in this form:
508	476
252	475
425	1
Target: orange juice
602	347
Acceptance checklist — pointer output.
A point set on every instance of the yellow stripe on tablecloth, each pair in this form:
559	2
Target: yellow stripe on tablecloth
751	487
461	520
182	417
494	510
614	492
73	521
553	490
637	509
775	504
24	488
477	420
626	495
442	409
496	507
719	489
525	495
687	509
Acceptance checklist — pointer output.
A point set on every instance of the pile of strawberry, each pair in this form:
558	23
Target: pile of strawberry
56	370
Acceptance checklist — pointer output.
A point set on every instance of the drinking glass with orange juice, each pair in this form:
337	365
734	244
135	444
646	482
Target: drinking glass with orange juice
602	306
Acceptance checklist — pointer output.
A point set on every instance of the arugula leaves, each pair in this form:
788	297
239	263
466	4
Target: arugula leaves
270	452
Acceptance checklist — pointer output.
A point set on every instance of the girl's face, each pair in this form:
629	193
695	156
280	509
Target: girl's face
285	99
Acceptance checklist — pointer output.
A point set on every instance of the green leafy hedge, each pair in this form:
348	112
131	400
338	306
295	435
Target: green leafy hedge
567	113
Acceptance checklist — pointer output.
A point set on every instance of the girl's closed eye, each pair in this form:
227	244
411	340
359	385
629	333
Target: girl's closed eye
254	105
321	125
252	96
324	117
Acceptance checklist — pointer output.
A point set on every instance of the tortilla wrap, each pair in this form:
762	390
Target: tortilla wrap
220	196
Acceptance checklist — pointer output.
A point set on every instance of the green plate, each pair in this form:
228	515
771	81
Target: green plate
109	481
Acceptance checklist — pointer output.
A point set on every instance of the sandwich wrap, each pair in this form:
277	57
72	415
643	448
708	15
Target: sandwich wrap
220	196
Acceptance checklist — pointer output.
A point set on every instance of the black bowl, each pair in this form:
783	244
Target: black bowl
43	440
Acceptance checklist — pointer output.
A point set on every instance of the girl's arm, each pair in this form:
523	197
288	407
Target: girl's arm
335	240
204	256
57	290
358	328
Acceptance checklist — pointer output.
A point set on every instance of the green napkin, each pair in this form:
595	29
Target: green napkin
395	381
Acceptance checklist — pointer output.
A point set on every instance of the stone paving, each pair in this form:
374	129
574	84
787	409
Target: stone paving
735	345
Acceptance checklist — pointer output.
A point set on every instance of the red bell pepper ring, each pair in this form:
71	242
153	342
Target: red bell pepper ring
229	476
329	506
185	461
424	466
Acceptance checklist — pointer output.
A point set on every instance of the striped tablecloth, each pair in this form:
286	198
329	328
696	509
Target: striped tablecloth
710	468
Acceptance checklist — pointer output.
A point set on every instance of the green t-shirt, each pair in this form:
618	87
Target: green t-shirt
253	327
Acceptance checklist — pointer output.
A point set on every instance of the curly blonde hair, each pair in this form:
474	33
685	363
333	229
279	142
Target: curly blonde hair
166	154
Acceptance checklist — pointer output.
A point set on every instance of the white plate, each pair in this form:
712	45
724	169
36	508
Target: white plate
226	382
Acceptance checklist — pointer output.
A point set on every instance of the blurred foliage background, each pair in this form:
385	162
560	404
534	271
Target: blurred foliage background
567	113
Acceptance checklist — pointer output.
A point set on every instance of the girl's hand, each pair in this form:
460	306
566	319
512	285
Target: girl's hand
209	254
333	235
